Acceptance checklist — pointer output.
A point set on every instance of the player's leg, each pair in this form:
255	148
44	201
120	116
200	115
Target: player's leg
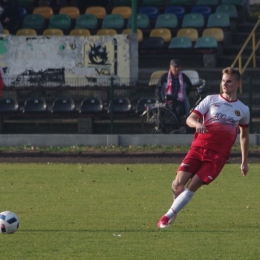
178	187
186	170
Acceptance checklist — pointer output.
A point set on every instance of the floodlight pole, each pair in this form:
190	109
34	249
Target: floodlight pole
134	16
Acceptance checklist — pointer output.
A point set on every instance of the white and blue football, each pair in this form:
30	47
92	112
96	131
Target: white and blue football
9	222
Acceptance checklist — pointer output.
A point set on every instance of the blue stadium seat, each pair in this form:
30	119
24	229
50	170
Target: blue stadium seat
35	105
8	105
91	105
179	11
151	11
63	105
22	12
143	102
120	105
202	9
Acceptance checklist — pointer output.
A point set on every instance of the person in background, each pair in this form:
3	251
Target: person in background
10	15
176	84
223	115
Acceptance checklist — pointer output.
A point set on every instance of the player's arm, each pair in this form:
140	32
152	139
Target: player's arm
193	121
244	143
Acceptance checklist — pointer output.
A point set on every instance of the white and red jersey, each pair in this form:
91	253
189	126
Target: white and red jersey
222	119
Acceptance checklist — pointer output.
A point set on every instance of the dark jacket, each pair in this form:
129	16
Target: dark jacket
10	10
162	84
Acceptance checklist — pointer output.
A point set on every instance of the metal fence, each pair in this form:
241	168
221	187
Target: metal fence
109	120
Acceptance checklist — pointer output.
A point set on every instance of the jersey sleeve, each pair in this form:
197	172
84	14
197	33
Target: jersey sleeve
203	107
244	122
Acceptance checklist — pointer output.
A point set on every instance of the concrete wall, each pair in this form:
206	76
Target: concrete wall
69	60
101	140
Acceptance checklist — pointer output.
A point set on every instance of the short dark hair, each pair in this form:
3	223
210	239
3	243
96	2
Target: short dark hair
232	71
175	63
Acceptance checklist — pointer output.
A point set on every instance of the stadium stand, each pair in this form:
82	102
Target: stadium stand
163	33
86	21
143	21
214	32
151	11
34	21
6	32
153	43
115	21
193	20
45	11
125	11
202	9
155	77
80	32
120	105
9	105
99	11
206	43
143	102
152	2
218	20
91	105
211	3
22	12
230	10
72	11
180	2
192	33
180	43
35	105
139	33
63	105
106	32
179	11
52	32
26	32
60	21
166	21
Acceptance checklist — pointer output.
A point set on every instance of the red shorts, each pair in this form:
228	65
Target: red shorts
207	164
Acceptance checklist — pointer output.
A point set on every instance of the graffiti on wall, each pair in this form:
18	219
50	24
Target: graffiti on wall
67	60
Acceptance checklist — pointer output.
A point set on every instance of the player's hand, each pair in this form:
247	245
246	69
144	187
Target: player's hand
201	129
244	169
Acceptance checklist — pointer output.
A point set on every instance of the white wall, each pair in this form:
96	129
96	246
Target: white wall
69	60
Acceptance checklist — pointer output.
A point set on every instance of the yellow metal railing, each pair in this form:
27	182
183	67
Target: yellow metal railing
252	56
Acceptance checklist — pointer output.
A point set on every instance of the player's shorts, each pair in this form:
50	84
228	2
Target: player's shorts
207	164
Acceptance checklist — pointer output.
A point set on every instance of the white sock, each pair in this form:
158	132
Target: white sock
180	202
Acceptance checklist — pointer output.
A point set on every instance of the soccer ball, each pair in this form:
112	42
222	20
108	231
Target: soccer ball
9	222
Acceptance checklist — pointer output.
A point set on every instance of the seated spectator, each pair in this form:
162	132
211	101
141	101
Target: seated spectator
178	86
10	15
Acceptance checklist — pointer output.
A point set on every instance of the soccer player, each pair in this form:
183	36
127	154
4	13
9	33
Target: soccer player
222	116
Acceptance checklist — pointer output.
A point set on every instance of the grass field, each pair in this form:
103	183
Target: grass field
105	211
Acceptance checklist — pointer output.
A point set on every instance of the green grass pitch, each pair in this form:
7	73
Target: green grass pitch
110	211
